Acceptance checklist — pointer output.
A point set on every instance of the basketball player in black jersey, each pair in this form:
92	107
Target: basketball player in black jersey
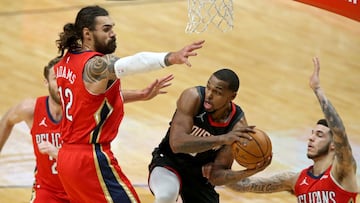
205	124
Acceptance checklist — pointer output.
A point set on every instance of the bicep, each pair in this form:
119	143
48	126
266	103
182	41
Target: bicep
344	165
23	111
99	68
182	121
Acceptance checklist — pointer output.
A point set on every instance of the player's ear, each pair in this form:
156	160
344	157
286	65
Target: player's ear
233	96
46	82
86	32
332	146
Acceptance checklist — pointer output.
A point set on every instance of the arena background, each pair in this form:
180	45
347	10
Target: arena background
270	47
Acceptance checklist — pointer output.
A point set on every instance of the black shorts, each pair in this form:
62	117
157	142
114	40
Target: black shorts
194	187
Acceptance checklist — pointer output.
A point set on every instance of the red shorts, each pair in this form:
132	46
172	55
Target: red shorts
41	195
90	173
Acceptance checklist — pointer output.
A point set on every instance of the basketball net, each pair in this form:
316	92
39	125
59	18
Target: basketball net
205	13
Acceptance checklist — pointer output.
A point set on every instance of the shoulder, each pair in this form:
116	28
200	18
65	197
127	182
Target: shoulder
27	108
190	94
189	101
27	105
23	111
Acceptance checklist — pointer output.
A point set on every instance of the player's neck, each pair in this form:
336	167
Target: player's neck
321	164
55	110
87	47
223	114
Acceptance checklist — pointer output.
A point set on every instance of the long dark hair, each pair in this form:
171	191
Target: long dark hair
71	37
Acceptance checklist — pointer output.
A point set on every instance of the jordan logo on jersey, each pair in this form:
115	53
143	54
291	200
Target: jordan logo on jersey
43	123
304	182
201	116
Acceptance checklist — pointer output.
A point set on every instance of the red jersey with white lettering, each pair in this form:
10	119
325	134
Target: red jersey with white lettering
87	118
45	128
323	188
87	167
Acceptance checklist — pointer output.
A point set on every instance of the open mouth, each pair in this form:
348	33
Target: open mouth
207	105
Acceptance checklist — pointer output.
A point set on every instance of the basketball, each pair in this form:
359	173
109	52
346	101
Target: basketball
248	153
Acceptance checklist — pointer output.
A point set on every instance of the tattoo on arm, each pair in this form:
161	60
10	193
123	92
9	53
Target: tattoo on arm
276	183
99	68
111	59
342	145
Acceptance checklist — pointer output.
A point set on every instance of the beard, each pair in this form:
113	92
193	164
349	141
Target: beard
105	48
321	152
55	96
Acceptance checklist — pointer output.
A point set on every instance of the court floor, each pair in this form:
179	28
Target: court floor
270	48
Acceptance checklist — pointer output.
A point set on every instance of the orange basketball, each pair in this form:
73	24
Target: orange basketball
248	153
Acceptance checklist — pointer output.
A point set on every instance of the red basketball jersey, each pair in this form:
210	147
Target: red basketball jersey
44	128
87	118
311	189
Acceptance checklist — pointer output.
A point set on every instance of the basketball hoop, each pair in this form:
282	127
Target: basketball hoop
205	13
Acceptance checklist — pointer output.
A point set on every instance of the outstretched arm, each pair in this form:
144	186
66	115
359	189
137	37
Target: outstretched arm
220	172
344	165
284	181
151	91
148	61
24	111
99	70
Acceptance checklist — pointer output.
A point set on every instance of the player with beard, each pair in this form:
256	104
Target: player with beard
332	177
42	115
92	102
205	124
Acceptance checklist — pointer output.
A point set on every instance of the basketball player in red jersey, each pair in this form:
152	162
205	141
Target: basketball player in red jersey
92	101
42	115
332	177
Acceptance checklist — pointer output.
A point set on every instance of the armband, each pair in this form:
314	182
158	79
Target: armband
140	63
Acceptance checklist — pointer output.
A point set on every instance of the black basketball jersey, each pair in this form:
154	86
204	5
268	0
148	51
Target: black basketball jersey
203	126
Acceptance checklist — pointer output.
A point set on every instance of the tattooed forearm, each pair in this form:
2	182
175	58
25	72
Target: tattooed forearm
335	122
343	149
276	183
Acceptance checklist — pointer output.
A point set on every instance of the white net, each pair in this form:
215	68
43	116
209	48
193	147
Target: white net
203	14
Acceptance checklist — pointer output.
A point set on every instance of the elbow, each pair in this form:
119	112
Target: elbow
180	146
174	147
216	180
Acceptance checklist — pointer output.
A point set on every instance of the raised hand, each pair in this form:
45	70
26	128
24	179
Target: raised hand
182	56
314	79
157	87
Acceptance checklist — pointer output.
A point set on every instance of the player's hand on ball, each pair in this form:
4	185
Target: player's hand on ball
264	164
238	134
